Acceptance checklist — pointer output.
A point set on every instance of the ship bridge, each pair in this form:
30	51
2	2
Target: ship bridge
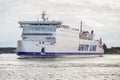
43	31
39	23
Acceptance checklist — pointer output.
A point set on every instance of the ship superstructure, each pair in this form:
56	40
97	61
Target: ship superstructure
51	38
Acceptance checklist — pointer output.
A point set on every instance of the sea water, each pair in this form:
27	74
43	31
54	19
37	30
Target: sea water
60	68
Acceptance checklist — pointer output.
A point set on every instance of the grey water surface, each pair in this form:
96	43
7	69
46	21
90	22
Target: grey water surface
60	68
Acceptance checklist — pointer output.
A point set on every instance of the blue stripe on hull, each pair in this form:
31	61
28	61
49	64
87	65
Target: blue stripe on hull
54	53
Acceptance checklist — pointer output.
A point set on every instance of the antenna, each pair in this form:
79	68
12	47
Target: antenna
47	17
81	26
43	16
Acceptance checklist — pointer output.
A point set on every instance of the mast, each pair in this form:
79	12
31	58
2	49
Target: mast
43	16
81	26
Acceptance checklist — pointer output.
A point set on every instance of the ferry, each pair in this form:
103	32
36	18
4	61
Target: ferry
52	38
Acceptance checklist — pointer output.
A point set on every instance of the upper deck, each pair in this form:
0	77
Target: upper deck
43	31
40	23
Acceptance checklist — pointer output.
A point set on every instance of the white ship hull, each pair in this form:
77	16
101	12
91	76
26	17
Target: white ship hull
64	46
50	38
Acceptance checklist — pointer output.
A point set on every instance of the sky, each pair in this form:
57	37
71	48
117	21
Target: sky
102	16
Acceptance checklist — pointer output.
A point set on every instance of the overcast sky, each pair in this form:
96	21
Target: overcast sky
102	16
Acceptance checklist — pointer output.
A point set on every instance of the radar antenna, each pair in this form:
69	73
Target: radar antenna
43	16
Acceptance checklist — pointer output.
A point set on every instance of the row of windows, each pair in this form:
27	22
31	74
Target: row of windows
39	29
52	38
43	24
83	47
39	24
44	34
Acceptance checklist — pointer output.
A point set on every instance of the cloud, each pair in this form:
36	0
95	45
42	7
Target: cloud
100	15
